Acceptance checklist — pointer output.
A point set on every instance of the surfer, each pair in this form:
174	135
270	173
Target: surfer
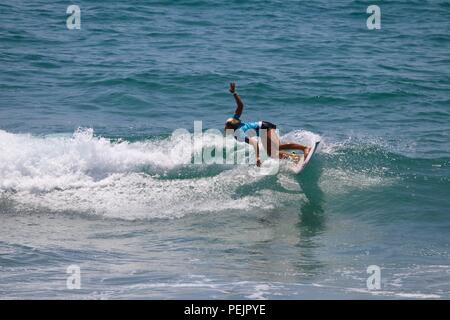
250	131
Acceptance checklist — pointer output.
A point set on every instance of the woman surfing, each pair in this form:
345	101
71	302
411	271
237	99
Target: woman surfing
250	131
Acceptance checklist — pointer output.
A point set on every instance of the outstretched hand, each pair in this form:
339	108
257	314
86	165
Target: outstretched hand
232	87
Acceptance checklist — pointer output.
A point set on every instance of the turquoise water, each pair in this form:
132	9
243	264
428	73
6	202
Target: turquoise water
90	176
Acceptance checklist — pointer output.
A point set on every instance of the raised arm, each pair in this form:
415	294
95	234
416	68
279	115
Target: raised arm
240	105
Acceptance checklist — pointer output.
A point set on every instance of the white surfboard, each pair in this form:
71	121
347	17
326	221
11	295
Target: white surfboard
298	162
298	167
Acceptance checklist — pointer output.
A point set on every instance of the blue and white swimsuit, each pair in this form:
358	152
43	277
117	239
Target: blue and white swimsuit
246	130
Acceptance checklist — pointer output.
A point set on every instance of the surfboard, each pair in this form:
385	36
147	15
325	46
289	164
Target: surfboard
298	161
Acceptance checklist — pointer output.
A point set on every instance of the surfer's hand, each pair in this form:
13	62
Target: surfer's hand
258	162
232	87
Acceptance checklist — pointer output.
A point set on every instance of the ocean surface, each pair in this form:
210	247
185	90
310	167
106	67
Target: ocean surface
91	177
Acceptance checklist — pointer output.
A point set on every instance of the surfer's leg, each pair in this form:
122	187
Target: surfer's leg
296	146
274	147
271	142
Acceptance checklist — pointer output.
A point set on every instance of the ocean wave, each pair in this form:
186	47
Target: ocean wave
44	163
118	179
156	178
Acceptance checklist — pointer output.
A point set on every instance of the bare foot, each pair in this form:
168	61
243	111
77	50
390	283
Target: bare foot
295	157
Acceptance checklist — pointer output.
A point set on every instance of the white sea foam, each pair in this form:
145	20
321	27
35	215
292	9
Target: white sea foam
340	177
84	173
44	163
301	137
127	180
341	181
136	196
